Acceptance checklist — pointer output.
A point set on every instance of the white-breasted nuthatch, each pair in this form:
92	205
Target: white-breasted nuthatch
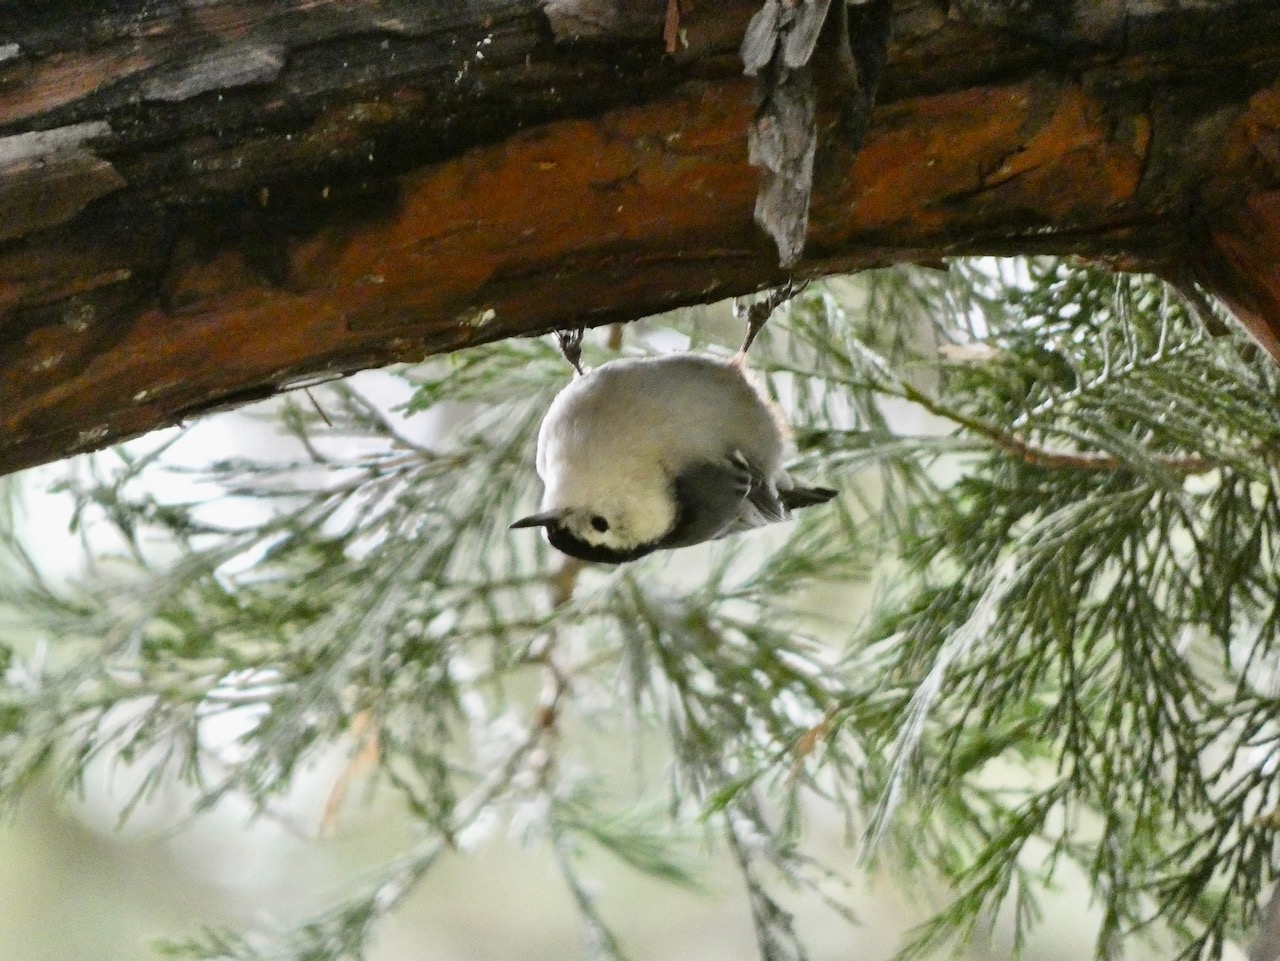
640	455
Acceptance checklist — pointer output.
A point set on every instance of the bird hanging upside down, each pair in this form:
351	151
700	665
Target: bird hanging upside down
649	454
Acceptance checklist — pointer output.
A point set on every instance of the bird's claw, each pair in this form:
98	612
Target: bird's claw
757	313
570	342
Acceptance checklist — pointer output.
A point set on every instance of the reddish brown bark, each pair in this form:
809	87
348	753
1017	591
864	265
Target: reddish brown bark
205	205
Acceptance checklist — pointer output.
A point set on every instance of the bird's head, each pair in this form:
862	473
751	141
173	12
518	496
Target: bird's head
603	536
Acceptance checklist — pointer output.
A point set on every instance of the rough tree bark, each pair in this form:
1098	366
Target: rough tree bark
204	202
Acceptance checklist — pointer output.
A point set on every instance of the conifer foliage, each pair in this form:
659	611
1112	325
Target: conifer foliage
1061	483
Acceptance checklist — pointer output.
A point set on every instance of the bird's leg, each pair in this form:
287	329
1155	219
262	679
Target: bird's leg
570	342
757	314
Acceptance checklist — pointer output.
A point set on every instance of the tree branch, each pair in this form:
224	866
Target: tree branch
205	211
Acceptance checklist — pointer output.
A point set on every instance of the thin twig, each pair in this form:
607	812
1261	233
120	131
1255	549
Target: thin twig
364	758
319	410
1185	465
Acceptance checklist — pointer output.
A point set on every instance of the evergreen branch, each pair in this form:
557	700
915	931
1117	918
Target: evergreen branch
775	935
1091	602
599	942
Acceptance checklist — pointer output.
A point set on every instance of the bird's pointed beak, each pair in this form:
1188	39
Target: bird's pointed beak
545	519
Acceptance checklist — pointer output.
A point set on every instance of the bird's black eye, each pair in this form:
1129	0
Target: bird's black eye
599	523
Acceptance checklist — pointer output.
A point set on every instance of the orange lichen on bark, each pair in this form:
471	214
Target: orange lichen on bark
40	193
558	197
1241	258
1244	266
1252	147
528	231
29	90
573	220
949	161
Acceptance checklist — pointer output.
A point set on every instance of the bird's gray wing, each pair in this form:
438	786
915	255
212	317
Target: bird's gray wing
719	498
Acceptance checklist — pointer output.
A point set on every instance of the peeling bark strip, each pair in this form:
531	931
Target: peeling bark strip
44	192
232	66
778	50
47	179
203	204
784	134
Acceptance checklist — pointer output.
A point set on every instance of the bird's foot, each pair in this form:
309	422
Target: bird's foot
757	314
570	342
